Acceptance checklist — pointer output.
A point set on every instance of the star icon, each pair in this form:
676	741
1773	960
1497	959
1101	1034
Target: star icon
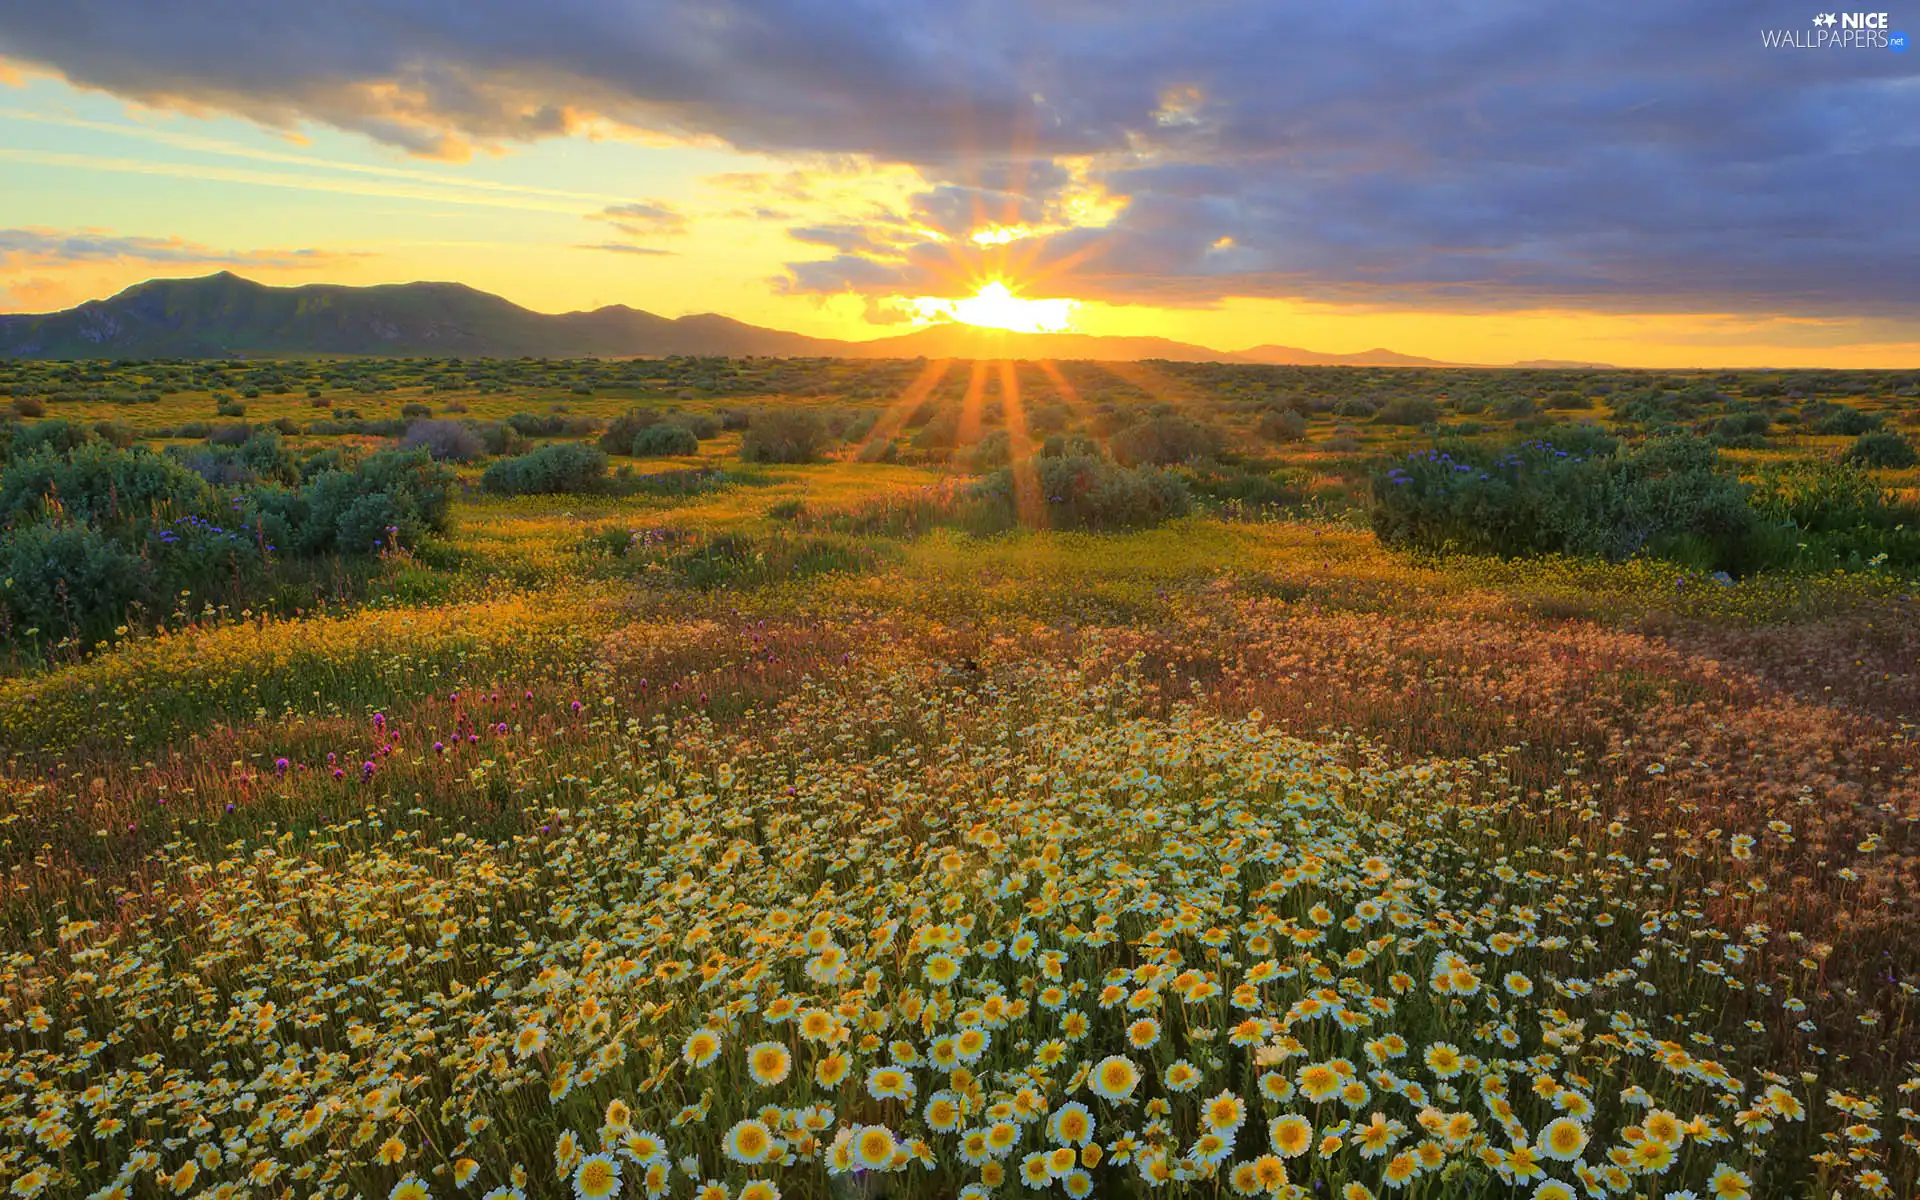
1827	19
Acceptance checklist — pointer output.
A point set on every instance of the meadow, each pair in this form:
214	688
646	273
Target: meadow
997	779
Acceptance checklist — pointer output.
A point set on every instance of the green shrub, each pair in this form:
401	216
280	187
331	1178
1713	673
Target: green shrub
560	468
1408	410
1072	445
99	485
394	498
994	450
702	425
1082	493
1165	440
1827	515
262	458
56	437
498	438
1884	448
1842	420
1286	425
783	435
1574	493
553	424
118	434
1741	430
664	438
67	578
445	441
618	439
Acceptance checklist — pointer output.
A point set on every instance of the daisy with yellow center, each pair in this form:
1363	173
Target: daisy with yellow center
749	1141
1291	1135
1318	1081
596	1178
768	1063
1225	1112
1115	1077
702	1047
1563	1139
874	1147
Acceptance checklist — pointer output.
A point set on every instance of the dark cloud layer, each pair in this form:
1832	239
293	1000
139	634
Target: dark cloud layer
1630	155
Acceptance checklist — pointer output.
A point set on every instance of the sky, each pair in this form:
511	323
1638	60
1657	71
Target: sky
1701	184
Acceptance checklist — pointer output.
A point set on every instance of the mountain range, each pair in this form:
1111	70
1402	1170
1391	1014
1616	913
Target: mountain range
223	316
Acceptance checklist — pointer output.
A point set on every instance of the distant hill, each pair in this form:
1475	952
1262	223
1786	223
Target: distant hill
1293	356
223	315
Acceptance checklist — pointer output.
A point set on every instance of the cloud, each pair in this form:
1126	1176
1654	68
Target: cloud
643	218
21	248
622	248
1638	156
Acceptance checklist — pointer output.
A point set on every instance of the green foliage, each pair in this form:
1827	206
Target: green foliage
1285	425
1081	493
260	458
1165	440
56	437
1571	494
552	424
559	468
394	499
1841	420
784	435
618	439
61	576
1826	516
100	485
1884	448
665	437
445	441
1408	410
1744	430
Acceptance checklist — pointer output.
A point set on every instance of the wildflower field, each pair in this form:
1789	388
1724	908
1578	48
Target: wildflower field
801	828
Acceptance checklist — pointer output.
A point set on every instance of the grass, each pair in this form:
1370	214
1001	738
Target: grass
864	856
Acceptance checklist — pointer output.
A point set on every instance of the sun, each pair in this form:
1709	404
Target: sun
997	306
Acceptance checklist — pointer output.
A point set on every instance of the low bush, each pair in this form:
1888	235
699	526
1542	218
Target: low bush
560	468
664	438
1579	493
783	435
444	441
552	424
1842	420
1285	425
54	437
29	406
618	439
1884	448
1080	492
1746	430
116	433
1163	441
1408	410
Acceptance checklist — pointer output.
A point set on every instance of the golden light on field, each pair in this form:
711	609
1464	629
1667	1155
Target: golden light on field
997	306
